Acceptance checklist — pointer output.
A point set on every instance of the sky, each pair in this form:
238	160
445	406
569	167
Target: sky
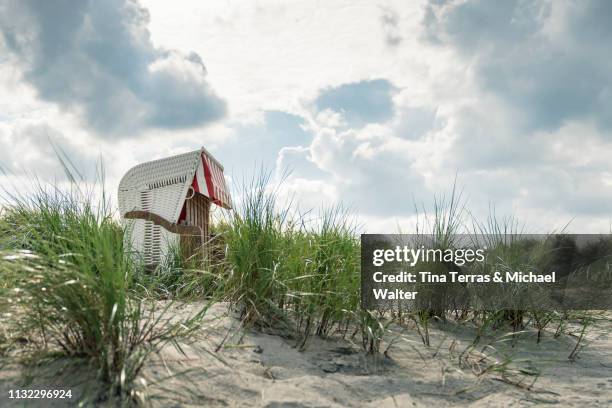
378	105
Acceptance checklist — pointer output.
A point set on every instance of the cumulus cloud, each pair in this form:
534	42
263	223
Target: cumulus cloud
513	97
547	60
370	169
517	110
96	58
532	135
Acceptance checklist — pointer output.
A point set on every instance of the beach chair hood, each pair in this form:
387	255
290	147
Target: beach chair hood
160	188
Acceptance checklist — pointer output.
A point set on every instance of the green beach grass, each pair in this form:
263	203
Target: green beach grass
70	288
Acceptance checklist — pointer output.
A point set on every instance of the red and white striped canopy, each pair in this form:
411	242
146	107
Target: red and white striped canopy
209	181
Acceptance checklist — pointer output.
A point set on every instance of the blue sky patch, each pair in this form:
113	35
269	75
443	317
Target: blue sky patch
361	102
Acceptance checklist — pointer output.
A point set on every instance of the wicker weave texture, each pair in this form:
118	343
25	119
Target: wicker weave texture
159	187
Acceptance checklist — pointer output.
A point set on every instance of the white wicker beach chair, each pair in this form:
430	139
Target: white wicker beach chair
168	199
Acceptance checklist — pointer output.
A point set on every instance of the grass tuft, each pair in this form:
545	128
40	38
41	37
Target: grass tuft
72	289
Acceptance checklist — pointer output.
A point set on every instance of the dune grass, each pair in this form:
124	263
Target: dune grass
254	236
72	288
69	286
303	274
282	270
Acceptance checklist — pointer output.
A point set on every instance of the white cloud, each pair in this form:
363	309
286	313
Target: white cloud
96	59
516	105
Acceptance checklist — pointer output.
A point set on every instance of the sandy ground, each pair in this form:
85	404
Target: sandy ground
259	369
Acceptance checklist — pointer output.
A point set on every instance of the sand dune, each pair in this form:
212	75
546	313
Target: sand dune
266	369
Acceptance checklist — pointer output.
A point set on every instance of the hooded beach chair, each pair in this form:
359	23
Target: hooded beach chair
166	204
